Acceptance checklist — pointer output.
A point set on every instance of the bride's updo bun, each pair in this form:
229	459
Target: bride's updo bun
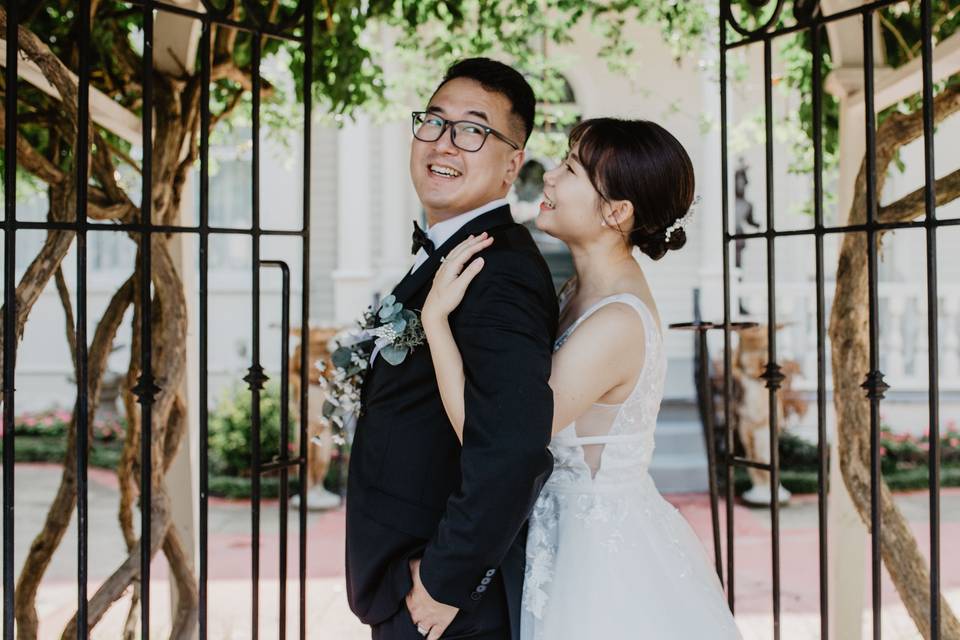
639	161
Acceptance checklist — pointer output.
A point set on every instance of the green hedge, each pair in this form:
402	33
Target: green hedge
50	449
805	481
233	487
53	449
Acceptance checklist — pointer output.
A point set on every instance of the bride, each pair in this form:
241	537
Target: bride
607	556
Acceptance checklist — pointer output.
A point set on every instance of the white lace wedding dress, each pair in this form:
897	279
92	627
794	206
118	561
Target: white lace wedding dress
607	556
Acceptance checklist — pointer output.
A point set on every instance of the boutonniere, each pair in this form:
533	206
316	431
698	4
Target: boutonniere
389	331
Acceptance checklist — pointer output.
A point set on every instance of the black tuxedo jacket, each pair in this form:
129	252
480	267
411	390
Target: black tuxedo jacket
413	491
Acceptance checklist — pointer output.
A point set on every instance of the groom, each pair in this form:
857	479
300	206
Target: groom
433	528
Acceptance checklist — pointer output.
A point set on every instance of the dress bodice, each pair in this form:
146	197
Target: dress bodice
619	447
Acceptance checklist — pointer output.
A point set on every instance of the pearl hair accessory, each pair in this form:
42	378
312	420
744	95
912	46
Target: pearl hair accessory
682	222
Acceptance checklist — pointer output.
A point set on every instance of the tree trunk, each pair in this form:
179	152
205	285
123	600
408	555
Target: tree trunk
849	337
61	509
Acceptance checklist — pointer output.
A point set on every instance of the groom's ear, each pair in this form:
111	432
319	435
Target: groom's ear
513	169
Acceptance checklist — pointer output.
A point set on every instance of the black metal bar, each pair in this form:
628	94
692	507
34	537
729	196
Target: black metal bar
800	26
277	465
145	385
9	311
305	307
737	461
256	370
254	29
823	446
157	228
707	410
711	443
933	365
727	351
851	228
874	381
204	356
772	374
81	155
284	463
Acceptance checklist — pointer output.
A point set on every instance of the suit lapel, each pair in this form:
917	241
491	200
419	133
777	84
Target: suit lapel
415	281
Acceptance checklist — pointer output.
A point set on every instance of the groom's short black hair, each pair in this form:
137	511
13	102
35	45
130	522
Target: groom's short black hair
503	79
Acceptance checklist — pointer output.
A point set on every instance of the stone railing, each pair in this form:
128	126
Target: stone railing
903	330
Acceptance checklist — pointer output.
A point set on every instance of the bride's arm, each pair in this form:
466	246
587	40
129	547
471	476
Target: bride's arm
449	367
449	285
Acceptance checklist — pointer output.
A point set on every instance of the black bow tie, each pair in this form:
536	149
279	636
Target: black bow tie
421	239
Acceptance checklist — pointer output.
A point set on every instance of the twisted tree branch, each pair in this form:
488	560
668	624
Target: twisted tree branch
851	360
61	509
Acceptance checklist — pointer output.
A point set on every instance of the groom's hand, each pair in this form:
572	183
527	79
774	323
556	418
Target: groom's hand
427	613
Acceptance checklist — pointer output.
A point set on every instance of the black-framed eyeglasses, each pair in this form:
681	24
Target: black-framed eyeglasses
464	134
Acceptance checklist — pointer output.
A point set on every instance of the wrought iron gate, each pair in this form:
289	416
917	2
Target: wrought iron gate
295	25
810	19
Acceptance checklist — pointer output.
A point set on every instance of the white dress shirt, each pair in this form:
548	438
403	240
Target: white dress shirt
444	230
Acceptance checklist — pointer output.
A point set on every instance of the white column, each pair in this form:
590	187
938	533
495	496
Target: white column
177	38
893	341
353	277
397	217
949	310
786	309
810	355
710	210
921	347
182	480
847	536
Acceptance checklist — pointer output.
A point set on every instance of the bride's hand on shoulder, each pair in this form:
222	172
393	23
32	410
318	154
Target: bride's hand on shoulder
453	277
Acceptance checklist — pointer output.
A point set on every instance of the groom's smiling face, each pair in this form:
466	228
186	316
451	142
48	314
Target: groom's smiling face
451	181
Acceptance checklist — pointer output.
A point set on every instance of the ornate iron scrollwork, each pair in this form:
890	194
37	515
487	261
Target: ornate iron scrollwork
805	10
729	18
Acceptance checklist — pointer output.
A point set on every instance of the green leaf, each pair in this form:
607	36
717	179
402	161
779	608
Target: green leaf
388	311
328	409
393	354
341	357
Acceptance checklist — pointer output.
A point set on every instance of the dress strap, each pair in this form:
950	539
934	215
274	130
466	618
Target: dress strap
605	439
650	325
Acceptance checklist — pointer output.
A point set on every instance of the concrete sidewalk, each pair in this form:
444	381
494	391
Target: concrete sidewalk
327	613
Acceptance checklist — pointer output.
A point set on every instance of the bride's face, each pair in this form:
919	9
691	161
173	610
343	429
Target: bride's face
570	207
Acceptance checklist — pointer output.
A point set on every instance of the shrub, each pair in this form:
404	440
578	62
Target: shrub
230	430
798	454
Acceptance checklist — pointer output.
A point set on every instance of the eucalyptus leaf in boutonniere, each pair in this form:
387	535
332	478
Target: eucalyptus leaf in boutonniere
389	331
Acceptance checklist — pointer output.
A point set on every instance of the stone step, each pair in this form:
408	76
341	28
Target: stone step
680	438
679	473
680	459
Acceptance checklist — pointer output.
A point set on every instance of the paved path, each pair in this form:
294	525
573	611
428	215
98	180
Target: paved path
327	612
